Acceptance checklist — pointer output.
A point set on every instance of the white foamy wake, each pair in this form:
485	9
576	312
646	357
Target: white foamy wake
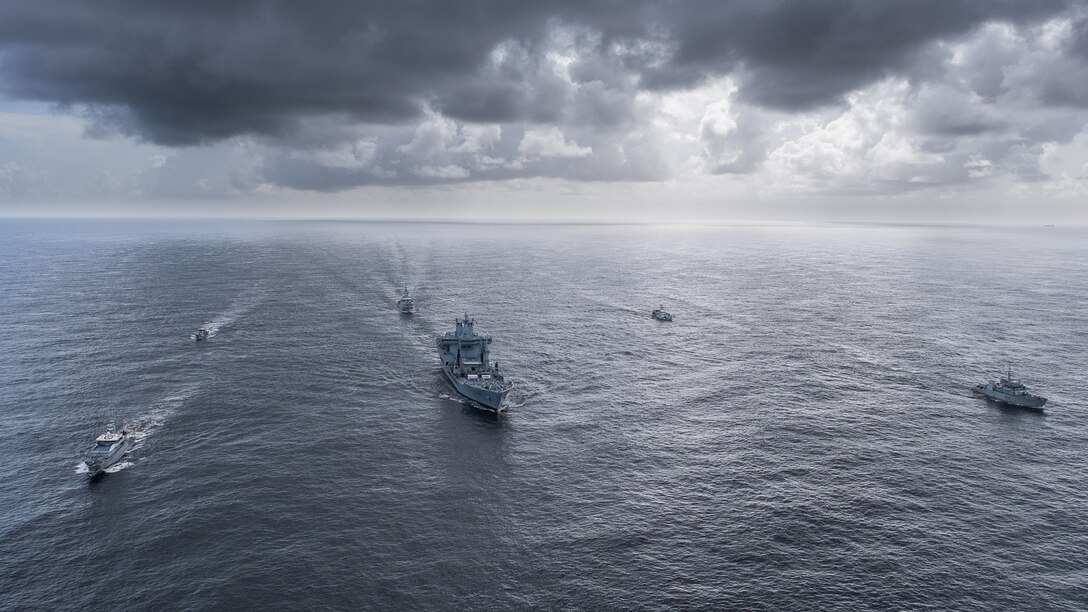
82	468
117	467
159	412
242	304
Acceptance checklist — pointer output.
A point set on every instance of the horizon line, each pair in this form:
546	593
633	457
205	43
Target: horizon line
512	221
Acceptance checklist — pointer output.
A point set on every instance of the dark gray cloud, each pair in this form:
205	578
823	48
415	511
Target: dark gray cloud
831	96
192	72
802	54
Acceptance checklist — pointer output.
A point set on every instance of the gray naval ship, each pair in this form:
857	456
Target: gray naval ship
660	314
108	450
1010	391
465	360
406	305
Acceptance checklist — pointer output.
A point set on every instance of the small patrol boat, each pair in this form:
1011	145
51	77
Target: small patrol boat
108	450
406	305
466	362
660	314
201	334
1010	391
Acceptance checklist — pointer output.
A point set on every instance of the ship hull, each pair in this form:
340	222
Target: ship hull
1032	402
482	398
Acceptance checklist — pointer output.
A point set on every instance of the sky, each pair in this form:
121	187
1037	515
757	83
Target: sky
635	110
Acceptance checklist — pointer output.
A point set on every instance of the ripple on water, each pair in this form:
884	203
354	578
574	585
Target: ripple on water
802	437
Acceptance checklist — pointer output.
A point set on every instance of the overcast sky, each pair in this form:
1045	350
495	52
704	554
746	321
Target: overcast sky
928	110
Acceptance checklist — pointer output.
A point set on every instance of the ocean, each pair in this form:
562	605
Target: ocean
803	436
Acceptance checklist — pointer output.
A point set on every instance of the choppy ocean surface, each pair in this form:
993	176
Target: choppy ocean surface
802	437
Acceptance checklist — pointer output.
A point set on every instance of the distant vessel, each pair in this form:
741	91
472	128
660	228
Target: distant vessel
660	314
201	334
465	361
108	450
1010	391
406	304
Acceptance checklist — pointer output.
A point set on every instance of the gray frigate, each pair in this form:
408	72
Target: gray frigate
1010	391
466	362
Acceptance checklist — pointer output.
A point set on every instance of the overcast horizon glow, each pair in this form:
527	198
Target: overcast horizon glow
943	111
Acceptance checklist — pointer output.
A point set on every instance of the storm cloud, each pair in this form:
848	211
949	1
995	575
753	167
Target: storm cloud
346	93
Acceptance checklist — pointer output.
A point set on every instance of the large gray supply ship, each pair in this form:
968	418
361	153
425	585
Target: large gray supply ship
1010	391
466	362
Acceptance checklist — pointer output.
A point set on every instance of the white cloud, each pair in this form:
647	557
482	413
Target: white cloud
443	172
354	156
550	142
979	167
17	180
477	138
432	137
721	142
864	149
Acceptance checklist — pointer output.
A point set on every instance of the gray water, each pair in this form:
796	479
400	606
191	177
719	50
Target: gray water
803	436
